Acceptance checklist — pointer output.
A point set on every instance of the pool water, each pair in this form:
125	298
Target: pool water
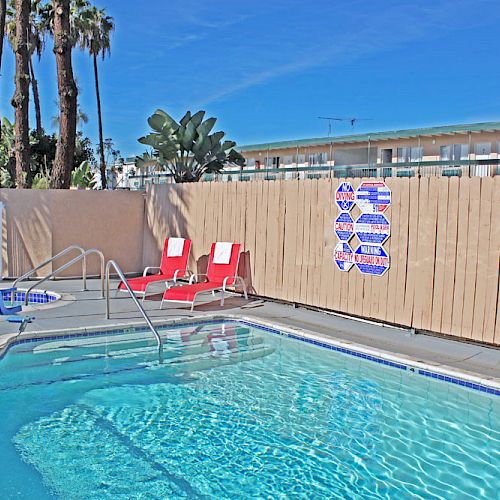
235	412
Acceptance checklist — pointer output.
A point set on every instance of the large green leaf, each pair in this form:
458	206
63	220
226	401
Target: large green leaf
206	127
189	135
197	118
185	119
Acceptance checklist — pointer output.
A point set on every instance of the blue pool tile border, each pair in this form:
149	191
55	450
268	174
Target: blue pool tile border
325	345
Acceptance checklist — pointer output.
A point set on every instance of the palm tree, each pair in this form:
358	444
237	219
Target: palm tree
95	37
3	12
20	100
36	43
68	95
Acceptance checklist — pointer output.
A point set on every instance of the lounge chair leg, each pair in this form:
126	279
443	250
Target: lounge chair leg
192	306
161	305
222	298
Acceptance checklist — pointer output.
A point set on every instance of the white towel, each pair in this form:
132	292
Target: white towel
175	247
222	252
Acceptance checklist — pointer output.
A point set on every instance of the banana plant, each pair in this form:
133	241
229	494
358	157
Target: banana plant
187	149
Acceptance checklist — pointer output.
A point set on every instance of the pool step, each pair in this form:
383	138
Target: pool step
198	352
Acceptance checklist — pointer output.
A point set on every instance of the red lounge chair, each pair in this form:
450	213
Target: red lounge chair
219	276
172	268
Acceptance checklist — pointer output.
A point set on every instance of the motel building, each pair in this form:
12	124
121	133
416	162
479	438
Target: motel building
451	151
454	150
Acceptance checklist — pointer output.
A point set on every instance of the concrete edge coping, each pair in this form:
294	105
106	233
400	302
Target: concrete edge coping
409	361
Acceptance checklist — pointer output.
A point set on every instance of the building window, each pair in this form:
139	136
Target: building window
445	153
409	154
460	152
250	163
288	160
483	150
301	159
318	159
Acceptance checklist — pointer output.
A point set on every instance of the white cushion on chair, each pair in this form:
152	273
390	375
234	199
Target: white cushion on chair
222	252
175	247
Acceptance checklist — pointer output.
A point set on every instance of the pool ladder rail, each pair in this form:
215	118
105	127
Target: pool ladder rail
82	256
52	259
113	264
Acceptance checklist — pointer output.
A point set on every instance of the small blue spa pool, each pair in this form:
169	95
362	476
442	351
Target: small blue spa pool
235	412
35	297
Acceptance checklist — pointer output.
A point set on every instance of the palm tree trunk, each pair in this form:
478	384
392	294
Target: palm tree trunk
68	93
99	117
36	99
3	12
20	100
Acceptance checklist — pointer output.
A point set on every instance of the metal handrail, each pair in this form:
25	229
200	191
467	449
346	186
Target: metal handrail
69	264
112	263
54	257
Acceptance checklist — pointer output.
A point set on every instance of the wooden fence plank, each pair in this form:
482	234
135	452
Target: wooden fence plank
430	252
411	268
451	255
471	262
461	261
387	305
439	268
290	238
422	257
491	327
299	242
402	253
485	222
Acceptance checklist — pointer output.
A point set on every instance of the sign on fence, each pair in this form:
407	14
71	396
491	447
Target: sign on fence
373	197
371	259
372	228
344	226
343	256
345	196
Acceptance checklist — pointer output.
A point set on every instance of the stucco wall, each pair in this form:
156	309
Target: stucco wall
40	223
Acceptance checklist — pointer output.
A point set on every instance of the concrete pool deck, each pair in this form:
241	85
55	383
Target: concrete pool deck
77	309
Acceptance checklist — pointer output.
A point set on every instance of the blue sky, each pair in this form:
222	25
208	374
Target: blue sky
268	69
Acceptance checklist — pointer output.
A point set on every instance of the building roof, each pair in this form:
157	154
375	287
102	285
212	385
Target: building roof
376	136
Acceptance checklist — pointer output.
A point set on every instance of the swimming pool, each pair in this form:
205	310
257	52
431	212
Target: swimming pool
235	412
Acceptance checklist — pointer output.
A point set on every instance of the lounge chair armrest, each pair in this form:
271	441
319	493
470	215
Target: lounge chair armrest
194	278
181	273
145	273
235	279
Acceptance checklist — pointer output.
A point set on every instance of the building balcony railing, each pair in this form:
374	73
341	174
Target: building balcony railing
455	168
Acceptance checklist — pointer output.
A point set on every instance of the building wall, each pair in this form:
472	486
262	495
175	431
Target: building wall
444	247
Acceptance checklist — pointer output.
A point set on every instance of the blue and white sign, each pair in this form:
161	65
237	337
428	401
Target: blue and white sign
344	226
371	259
372	228
373	197
343	256
345	197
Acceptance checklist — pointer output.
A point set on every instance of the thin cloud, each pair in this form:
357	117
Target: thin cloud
407	23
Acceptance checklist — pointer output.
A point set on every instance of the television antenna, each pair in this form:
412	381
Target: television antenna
331	119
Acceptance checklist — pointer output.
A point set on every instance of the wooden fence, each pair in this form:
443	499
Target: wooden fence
444	247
